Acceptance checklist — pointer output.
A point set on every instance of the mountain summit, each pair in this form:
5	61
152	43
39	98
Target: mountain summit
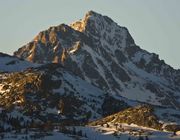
104	54
92	27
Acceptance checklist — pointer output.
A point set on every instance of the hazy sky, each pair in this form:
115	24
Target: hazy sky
154	24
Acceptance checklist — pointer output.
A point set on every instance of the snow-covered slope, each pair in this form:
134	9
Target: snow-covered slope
51	93
128	132
11	64
105	55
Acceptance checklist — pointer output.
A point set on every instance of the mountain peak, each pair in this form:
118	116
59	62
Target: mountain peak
88	70
47	35
103	53
92	20
92	13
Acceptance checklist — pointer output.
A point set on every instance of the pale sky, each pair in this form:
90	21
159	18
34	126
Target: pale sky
154	24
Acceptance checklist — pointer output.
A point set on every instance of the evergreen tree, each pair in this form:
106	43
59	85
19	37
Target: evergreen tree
140	138
147	138
61	106
80	133
74	131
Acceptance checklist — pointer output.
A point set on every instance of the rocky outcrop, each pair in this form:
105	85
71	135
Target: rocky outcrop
141	115
18	86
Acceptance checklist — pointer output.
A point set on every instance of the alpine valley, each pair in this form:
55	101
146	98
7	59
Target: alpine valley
88	81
